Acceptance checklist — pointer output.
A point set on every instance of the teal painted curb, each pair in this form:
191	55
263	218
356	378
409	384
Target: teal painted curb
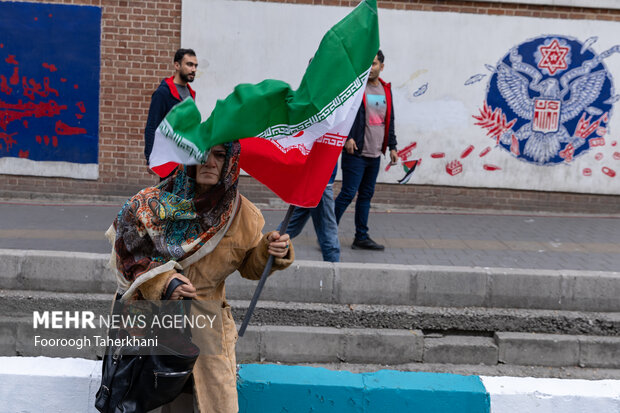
299	389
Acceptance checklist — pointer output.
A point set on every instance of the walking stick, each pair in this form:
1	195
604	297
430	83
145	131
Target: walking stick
263	278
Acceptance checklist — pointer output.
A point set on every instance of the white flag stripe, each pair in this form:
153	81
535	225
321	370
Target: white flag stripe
165	150
338	122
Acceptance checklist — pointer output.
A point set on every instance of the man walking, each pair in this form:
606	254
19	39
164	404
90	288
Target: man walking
324	221
371	134
171	91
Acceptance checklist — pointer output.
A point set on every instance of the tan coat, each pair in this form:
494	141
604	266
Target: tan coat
243	248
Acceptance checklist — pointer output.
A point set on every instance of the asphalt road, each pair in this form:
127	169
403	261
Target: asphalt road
463	238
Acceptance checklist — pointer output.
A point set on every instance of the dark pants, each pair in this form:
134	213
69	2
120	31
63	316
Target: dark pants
359	174
325	225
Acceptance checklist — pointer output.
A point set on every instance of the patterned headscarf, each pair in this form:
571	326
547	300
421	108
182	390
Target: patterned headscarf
170	221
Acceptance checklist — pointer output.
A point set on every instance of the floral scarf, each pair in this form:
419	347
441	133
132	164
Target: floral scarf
165	224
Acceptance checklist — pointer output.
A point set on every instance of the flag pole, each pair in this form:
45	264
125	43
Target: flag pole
263	278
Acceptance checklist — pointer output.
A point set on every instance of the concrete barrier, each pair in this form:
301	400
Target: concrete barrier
50	385
56	385
524	394
276	388
348	283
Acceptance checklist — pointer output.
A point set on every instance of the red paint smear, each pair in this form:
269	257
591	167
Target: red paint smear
23	154
11	112
614	143
80	105
587	172
75	86
38	138
8	139
489	167
46	139
54	141
63	80
35	88
4	86
51	68
297	135
438	155
514	145
77	115
64	129
11	60
485	151
598	156
49	15
25	124
1	46
617	156
467	151
15	77
609	172
36	18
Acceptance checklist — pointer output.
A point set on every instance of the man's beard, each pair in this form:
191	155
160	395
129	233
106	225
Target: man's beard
185	77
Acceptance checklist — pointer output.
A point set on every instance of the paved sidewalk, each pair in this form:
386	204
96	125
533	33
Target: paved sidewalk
463	238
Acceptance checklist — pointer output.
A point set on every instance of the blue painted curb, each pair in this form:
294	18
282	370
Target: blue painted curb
277	388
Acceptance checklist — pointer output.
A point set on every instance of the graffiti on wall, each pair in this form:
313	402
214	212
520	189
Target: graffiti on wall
49	83
548	101
527	105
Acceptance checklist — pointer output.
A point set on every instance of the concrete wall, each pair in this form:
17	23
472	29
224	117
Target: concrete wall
49	93
137	44
444	72
138	40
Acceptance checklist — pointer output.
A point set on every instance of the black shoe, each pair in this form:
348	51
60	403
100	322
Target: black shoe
366	244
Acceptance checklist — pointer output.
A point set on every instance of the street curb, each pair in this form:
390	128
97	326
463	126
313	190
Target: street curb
69	385
348	283
277	388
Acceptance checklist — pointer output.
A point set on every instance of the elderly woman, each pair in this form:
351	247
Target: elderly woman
197	222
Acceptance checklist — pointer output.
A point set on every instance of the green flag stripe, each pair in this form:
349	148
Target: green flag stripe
340	100
270	108
181	141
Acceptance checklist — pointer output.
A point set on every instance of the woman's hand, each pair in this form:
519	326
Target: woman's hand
278	244
183	290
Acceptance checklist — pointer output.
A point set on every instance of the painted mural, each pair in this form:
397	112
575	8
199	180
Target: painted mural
479	100
49	89
548	101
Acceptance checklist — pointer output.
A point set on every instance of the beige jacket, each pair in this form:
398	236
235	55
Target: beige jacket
243	248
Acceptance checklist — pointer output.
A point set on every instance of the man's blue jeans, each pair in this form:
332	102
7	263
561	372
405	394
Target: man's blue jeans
325	226
359	174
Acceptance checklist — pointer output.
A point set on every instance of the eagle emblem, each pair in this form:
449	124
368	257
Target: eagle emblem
554	94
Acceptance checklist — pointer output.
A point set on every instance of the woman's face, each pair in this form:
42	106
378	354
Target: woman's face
210	172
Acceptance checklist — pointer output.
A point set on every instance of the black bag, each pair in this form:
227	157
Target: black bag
132	382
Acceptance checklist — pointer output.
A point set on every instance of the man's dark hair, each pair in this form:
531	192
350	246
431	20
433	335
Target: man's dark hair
178	56
380	56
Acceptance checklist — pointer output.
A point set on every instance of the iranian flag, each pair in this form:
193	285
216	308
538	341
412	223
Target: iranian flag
290	139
